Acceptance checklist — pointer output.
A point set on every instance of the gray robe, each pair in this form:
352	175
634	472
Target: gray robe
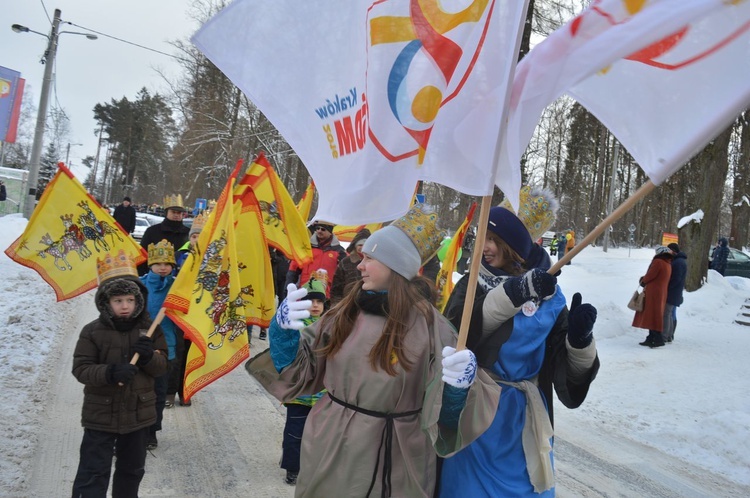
340	445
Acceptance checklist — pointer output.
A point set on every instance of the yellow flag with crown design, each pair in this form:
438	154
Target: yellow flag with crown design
224	285
284	227
67	231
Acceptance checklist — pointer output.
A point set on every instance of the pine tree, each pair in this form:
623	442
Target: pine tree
47	168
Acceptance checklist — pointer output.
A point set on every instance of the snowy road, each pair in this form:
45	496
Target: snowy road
228	445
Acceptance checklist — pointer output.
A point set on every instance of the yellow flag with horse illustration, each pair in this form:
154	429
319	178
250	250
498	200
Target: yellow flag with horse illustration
67	231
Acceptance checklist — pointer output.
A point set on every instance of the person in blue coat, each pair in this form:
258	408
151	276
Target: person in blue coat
720	255
528	340
674	291
562	243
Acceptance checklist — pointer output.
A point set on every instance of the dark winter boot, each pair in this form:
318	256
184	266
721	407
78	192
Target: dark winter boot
658	340
649	340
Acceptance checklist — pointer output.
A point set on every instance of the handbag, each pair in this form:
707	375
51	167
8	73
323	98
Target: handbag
636	302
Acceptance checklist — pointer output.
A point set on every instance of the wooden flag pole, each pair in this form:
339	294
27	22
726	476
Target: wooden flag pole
476	256
476	259
623	208
151	329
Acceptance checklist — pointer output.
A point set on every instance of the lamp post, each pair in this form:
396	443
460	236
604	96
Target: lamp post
41	118
67	155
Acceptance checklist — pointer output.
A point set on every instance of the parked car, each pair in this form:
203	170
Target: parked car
738	263
141	224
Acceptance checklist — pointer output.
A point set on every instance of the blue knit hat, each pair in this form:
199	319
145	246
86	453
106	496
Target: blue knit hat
511	230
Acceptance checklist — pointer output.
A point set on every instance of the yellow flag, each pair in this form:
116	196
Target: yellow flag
444	280
256	274
218	293
67	231
305	204
345	233
284	227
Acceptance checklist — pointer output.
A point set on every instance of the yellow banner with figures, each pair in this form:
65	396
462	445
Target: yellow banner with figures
284	227
223	287
67	231
444	280
304	206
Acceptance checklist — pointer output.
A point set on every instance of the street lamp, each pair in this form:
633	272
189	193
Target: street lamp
49	61
67	155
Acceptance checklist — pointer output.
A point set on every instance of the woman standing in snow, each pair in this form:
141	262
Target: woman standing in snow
655	283
390	407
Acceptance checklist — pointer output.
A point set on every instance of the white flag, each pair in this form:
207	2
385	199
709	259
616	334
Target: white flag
374	96
667	101
586	56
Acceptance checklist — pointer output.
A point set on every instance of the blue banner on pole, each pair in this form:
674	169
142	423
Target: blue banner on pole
11	93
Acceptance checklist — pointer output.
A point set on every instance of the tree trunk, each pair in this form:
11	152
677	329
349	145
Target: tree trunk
713	164
741	194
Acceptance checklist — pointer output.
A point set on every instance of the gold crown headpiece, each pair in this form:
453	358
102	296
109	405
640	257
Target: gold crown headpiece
113	266
420	225
174	202
537	209
163	252
199	222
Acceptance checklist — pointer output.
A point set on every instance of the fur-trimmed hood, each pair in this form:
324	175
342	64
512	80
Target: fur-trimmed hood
119	287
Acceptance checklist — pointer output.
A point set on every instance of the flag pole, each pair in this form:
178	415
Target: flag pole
151	329
623	208
476	259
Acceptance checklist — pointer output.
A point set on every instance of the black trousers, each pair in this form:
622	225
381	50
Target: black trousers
95	464
296	416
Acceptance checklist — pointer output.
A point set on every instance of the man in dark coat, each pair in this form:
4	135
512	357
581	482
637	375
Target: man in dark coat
3	193
172	229
720	255
125	215
674	291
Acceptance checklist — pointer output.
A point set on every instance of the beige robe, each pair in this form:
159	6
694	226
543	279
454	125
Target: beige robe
340	445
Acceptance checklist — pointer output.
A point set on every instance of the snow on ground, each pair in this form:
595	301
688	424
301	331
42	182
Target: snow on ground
688	399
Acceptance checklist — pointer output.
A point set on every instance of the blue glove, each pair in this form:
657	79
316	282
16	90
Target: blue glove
459	367
534	285
581	319
292	311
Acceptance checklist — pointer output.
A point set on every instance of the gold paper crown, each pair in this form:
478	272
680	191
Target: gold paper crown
163	252
199	222
537	209
420	224
113	266
173	201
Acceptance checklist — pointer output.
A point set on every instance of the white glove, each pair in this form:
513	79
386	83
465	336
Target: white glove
292	311
459	368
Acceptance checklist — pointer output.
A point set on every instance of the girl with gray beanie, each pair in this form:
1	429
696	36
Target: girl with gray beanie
392	405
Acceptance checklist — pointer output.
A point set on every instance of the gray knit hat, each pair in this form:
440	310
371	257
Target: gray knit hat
392	247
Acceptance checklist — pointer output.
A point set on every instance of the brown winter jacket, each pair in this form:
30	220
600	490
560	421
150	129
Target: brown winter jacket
114	408
655	283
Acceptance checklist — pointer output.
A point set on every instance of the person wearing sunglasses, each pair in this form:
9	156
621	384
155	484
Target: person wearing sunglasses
327	253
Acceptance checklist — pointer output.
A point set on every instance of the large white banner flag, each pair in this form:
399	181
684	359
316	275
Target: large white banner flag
665	102
704	41
376	95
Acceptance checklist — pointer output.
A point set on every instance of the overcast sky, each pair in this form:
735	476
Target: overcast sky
91	72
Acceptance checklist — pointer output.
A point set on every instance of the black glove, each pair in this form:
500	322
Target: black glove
121	373
144	346
535	284
581	318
